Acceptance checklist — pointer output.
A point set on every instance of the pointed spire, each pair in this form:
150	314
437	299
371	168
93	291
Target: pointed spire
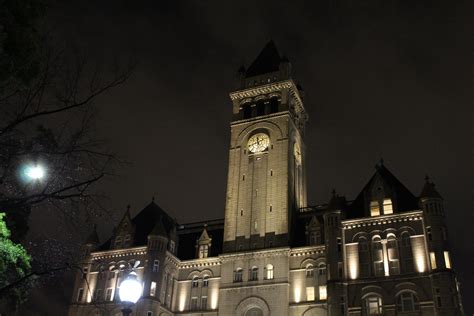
336	202
267	61
429	189
93	238
159	229
204	235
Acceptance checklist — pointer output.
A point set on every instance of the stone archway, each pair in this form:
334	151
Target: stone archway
315	311
254	305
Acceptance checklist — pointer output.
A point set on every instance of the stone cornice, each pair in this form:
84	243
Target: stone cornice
117	253
255	254
198	263
304	251
382	220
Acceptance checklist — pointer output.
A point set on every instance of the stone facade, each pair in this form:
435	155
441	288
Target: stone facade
384	253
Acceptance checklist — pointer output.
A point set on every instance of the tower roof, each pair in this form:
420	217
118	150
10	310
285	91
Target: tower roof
337	202
159	229
429	190
267	61
383	180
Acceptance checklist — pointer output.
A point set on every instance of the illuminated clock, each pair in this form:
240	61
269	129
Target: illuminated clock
258	143
297	153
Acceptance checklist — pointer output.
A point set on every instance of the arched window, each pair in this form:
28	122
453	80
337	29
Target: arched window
407	302
254	311
393	258
322	269
309	270
269	272
373	305
406	254
195	282
203	251
238	275
253	274
126	241
364	257
377	256
205	281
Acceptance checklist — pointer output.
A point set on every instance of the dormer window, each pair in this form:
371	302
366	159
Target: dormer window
126	241
387	206
118	241
374	208
203	251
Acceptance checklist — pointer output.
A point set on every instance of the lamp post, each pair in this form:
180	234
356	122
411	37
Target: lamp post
34	172
130	292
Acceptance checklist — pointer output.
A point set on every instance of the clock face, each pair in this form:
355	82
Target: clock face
258	143
297	153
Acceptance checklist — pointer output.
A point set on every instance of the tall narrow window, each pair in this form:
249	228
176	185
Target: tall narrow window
323	294
309	271
387	206
80	294
118	241
205	281
406	253
393	257
126	241
322	269
269	271
377	256
407	302
108	294
238	275
374	208
310	293
156	265
194	303
204	302
433	260
339	244
428	233
203	251
153	288
172	246
253	274
195	282
447	260
364	257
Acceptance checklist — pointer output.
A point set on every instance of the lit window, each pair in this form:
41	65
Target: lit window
238	275
447	260
194	303
377	256
373	305
433	260
323	293
80	294
205	281
153	288
407	302
393	257
253	274
309	271
269	272
156	265
374	208
195	282
387	206
310	293
204	302
203	251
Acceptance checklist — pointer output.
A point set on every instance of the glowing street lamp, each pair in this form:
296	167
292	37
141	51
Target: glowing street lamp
130	292
35	172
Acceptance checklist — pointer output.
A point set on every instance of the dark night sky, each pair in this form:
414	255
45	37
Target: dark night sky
391	81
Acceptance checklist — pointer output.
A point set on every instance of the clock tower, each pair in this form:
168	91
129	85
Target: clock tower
266	177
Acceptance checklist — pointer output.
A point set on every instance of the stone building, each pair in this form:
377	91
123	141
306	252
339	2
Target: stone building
384	253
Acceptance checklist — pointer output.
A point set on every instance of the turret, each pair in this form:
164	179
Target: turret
203	244
334	252
123	234
90	243
157	246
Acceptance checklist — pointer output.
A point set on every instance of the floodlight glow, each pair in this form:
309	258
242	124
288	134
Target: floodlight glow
130	289
34	172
